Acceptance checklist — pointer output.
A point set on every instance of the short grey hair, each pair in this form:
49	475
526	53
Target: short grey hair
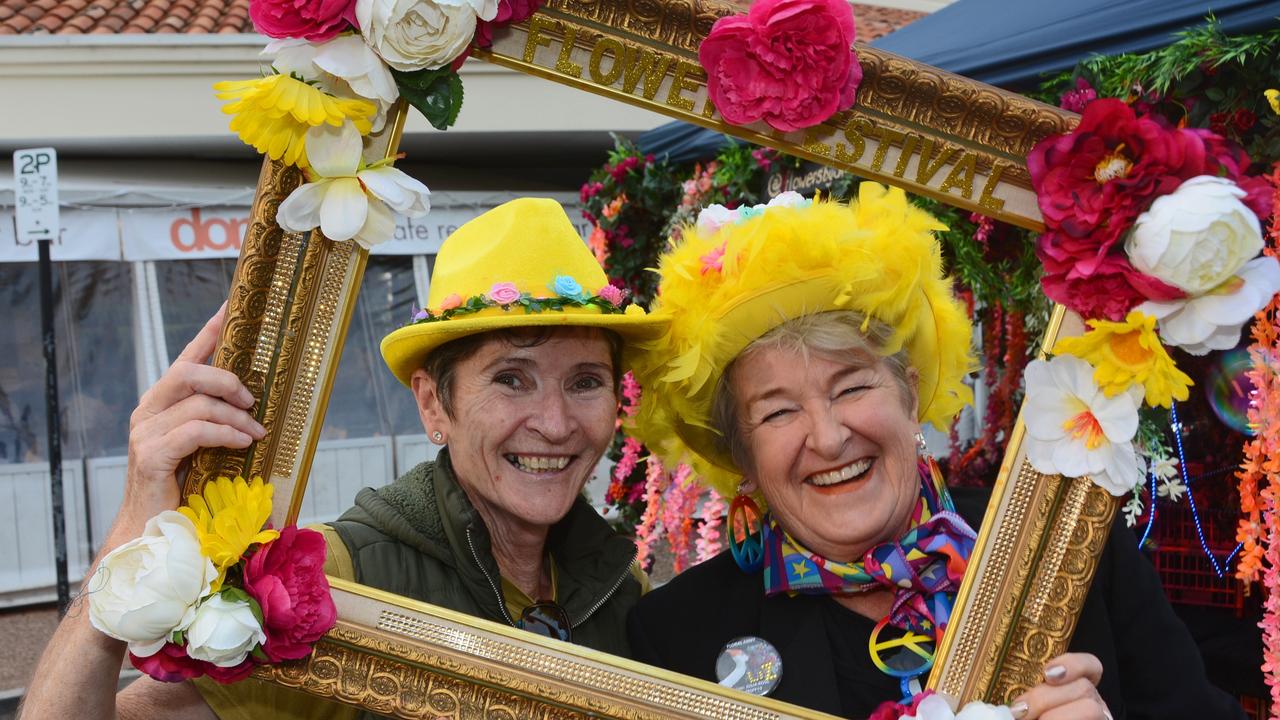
442	363
838	335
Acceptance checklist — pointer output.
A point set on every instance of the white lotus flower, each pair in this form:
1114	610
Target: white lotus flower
1213	321
343	66
1074	429
346	199
936	707
147	588
224	632
1196	237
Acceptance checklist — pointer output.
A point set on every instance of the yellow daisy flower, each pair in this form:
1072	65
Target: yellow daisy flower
273	114
1124	353
1273	97
229	517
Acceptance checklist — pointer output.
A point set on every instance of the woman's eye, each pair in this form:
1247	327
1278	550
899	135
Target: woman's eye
852	390
588	382
508	379
775	415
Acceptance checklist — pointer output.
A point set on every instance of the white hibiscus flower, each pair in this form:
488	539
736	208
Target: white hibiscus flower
1074	429
346	199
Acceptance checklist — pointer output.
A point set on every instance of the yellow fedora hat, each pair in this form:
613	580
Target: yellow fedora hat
521	264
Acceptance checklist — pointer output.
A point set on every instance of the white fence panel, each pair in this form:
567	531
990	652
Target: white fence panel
413	449
27	570
106	493
340	469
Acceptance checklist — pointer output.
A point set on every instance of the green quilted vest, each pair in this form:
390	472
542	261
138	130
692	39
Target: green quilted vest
421	537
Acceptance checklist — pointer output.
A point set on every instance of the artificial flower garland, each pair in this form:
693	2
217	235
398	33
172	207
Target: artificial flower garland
208	590
609	300
1152	235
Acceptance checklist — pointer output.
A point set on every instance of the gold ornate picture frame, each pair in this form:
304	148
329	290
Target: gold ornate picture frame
914	126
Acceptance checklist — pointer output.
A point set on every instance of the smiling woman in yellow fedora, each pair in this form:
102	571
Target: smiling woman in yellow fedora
515	365
807	344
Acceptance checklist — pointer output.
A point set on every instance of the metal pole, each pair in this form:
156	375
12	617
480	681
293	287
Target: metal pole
54	426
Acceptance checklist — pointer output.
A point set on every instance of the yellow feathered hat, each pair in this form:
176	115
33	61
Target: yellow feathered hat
722	288
521	264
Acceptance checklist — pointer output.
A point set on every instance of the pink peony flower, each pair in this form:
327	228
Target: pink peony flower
787	62
1110	290
286	578
170	664
314	20
504	293
614	295
509	11
451	302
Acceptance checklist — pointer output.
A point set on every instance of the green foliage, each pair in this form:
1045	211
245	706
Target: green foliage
1204	79
437	94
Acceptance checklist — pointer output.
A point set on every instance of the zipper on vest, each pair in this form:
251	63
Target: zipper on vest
502	604
616	584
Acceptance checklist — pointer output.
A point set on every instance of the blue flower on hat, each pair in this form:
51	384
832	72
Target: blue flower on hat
566	287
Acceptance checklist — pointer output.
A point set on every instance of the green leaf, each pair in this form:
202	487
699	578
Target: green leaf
259	655
178	638
437	94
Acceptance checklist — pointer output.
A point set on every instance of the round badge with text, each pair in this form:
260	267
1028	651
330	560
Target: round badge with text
749	664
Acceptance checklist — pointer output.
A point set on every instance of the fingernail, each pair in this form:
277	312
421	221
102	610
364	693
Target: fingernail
1055	672
1019	709
259	429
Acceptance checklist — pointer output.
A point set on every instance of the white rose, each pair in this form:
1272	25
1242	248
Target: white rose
147	588
1196	237
936	707
790	198
1214	321
416	34
223	632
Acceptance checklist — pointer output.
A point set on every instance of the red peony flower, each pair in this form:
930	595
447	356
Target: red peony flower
509	11
1093	183
228	675
1110	290
314	20
170	664
787	62
286	578
1244	119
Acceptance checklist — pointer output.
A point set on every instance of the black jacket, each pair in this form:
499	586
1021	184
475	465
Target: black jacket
1151	667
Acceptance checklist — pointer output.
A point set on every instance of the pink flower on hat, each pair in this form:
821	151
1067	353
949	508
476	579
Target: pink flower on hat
504	293
451	302
613	294
788	62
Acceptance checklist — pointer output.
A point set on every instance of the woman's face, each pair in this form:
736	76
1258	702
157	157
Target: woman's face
832	446
529	424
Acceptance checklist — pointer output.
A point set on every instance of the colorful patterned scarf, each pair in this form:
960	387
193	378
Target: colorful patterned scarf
924	567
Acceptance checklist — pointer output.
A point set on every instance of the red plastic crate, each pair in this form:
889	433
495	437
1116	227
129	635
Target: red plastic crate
1189	579
1255	708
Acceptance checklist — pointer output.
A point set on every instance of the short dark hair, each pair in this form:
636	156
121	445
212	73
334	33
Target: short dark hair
442	362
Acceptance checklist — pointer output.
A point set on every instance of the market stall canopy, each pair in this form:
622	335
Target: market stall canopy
1013	45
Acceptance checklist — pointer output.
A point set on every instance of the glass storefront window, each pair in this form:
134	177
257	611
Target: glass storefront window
190	291
367	401
97	376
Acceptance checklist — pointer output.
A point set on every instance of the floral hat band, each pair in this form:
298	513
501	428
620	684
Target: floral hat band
521	264
567	294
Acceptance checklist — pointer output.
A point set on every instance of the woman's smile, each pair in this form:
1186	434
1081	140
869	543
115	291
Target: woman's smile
841	479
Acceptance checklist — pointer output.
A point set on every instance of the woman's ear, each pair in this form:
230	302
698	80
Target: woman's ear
430	409
748	486
913	390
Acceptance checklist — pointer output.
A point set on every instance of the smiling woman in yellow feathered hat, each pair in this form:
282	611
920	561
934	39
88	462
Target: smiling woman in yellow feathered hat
808	342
